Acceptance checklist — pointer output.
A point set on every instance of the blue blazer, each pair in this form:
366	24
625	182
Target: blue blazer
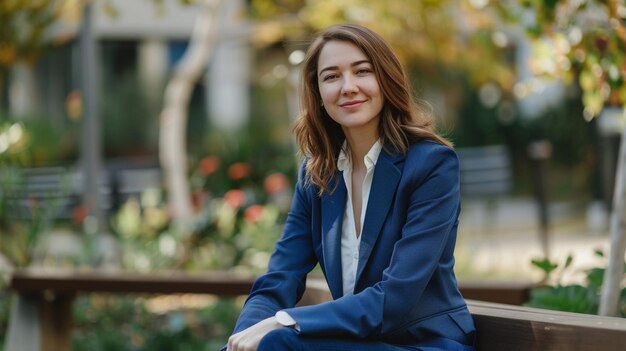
405	289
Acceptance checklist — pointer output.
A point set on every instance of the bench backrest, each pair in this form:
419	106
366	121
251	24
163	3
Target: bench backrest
485	170
58	190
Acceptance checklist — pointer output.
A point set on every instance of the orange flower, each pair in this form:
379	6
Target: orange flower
254	213
79	214
197	199
209	165
238	170
235	198
275	183
74	105
33	203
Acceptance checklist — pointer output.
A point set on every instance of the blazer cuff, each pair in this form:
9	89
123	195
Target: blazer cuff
283	318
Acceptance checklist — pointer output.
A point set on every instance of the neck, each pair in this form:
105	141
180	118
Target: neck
358	146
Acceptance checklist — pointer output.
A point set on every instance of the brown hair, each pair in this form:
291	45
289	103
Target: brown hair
403	120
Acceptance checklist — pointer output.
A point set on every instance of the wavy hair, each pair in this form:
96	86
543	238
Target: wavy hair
403	119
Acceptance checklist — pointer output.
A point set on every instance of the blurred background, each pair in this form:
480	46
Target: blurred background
151	135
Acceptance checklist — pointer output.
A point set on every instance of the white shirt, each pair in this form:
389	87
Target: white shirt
349	240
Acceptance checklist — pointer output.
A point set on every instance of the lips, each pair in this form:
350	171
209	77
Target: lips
353	103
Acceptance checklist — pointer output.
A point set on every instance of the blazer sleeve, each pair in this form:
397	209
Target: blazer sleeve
432	212
293	258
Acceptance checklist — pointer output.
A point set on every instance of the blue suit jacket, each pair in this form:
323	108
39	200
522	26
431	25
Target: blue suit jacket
405	289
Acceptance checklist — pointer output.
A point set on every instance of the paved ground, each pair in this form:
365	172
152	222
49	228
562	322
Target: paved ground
498	240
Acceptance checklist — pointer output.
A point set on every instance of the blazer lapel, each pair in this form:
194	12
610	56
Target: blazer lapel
333	207
384	185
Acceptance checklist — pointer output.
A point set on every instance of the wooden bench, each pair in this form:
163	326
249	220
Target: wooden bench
512	328
41	317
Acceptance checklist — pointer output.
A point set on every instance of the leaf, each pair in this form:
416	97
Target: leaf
595	277
545	265
551	4
572	298
568	261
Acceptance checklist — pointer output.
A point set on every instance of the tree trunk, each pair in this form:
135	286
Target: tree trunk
614	273
173	124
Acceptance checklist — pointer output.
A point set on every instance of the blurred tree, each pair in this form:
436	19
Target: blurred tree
431	34
173	118
27	27
582	41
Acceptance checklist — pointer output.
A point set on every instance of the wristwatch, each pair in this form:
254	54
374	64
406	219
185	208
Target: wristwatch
283	318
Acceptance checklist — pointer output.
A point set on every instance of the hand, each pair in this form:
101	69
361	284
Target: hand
249	339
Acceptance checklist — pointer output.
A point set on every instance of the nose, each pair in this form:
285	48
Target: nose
349	85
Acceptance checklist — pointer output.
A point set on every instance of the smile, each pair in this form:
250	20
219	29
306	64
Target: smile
352	104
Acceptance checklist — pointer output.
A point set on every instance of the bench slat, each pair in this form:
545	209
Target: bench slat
59	282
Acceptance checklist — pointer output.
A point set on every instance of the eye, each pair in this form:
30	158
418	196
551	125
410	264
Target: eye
329	77
363	71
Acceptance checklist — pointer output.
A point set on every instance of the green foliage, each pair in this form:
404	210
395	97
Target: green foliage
583	41
130	125
233	226
427	33
570	297
108	323
578	42
28	143
36	141
5	311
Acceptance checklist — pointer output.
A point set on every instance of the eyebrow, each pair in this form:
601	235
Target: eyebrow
353	64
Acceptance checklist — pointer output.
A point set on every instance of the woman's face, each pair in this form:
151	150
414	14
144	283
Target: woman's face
348	86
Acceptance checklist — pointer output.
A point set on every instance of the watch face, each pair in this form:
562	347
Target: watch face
284	319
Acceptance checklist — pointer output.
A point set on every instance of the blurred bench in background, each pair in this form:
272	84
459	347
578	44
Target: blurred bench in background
486	176
486	171
56	192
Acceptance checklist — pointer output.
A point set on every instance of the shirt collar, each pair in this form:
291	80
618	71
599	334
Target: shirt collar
343	161
372	156
370	159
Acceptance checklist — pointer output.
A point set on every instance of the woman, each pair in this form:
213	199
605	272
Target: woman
376	204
